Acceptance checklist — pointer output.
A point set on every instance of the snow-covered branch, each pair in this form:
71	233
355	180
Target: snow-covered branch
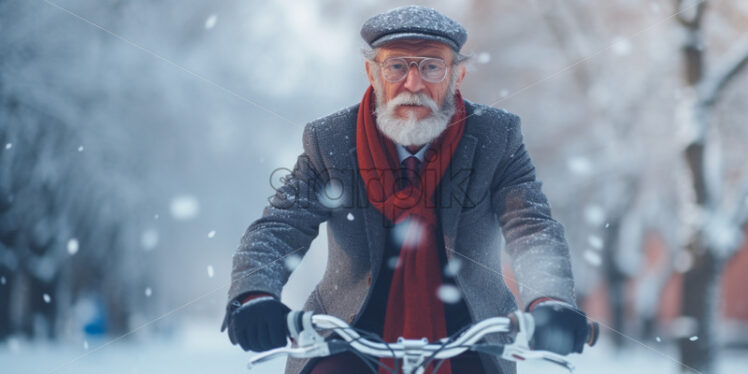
690	12
714	84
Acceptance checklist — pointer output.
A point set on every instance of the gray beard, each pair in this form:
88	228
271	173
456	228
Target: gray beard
412	131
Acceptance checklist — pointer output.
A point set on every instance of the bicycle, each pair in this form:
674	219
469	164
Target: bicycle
415	354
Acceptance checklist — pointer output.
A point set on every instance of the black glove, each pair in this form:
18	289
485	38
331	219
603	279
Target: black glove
559	328
258	325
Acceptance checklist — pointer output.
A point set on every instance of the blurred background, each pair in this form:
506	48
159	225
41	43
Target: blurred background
138	140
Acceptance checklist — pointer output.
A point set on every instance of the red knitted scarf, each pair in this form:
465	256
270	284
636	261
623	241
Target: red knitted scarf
413	307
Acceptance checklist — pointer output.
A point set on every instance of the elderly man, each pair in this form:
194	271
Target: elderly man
416	185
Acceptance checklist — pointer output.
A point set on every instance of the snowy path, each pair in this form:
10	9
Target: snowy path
201	349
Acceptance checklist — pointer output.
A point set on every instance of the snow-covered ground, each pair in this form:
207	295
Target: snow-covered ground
200	348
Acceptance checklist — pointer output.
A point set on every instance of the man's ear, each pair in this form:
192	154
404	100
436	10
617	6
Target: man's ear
369	72
462	72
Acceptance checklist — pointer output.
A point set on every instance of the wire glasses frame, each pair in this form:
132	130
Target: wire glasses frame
431	69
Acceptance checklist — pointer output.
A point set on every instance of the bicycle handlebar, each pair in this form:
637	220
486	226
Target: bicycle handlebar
304	328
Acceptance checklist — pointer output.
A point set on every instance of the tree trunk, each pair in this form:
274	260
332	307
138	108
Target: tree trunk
699	304
615	279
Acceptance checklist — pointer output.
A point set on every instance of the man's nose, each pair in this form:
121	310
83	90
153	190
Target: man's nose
413	81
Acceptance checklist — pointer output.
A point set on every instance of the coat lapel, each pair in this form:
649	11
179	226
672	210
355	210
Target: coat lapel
454	184
374	222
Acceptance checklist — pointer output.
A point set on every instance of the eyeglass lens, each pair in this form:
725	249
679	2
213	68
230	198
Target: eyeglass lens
432	70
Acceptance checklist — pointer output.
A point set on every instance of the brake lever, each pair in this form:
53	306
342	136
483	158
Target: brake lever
558	360
318	349
305	341
267	356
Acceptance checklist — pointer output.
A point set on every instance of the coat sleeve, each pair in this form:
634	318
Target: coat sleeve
535	241
287	227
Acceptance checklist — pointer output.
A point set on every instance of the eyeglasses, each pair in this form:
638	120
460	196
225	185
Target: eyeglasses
432	70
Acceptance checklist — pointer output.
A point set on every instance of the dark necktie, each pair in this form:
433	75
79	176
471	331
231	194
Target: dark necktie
411	166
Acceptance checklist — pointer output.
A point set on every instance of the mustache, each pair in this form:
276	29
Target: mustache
408	98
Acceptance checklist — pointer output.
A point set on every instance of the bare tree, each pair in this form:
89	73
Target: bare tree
712	232
617	189
59	207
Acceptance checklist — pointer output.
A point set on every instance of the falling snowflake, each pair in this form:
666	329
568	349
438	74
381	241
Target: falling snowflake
3	280
47	298
85	344
659	340
407	227
155	216
80	149
580	165
350	217
622	46
693	338
449	293
483	58
212	233
9	146
184	207
292	262
595	242
73	246
594	214
211	21
149	239
453	267
593	258
393	262
332	195
148	292
210	271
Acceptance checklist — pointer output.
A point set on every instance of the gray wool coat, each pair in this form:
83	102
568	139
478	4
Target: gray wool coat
488	190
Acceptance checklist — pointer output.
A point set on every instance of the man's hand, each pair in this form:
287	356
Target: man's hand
259	324
559	328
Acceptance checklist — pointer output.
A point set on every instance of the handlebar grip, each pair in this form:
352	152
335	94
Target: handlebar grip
593	332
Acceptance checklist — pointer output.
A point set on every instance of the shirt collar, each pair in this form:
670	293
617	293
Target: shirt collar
403	153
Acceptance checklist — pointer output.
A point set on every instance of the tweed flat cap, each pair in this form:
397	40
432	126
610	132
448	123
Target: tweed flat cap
413	22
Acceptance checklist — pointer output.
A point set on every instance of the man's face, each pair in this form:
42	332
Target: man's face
413	82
